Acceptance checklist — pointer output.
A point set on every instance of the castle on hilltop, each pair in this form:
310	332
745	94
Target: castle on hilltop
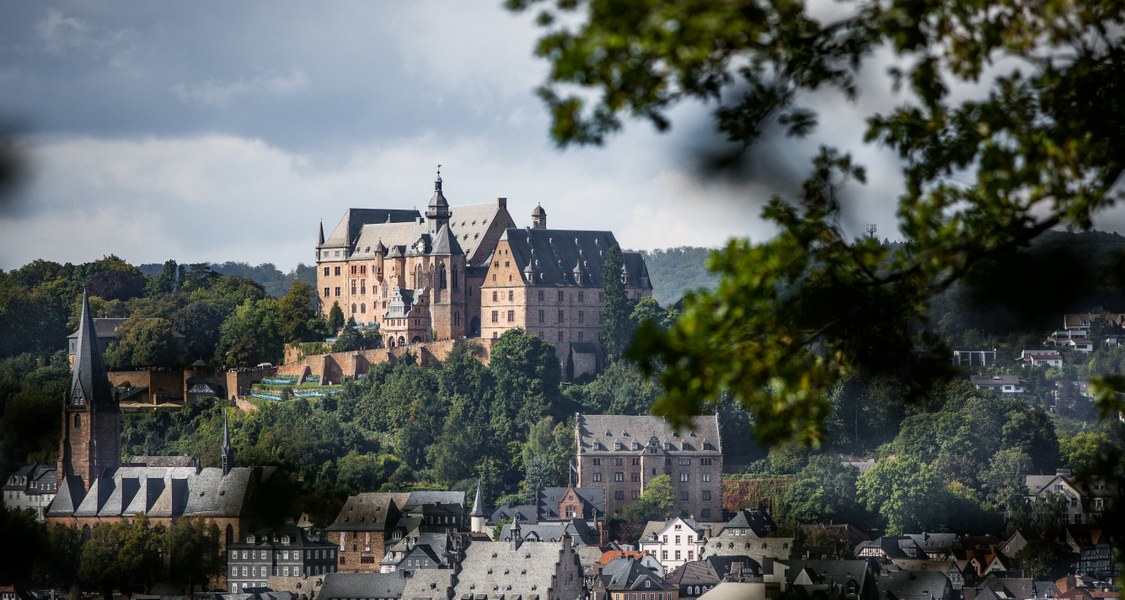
469	271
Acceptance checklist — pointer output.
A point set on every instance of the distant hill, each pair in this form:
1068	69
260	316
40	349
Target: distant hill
275	282
676	270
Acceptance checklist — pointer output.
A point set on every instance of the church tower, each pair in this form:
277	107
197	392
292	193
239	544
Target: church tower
448	312
91	428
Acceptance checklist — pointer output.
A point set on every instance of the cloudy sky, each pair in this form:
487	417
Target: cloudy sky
215	131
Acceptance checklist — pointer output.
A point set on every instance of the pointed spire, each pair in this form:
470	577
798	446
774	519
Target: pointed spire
89	386
478	503
438	211
320	238
227	449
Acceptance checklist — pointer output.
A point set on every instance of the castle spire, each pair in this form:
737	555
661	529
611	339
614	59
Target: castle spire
478	503
227	449
438	210
320	238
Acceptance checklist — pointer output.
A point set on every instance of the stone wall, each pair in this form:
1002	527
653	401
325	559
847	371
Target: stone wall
335	367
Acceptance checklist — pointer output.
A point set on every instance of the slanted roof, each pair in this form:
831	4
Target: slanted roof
757	521
628	573
599	433
503	568
362	585
371	511
89	384
348	229
477	227
554	255
696	572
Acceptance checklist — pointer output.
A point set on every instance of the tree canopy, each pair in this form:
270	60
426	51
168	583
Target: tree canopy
1039	145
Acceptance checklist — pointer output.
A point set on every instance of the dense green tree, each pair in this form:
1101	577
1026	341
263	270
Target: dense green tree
619	389
648	309
616	327
1006	479
251	335
547	453
907	494
297	313
192	543
983	173
823	491
335	318
143	342
527	376
121	555
166	281
199	323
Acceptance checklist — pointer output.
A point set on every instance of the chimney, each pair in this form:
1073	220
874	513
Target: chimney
502	202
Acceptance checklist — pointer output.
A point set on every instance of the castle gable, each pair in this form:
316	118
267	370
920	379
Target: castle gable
348	229
477	228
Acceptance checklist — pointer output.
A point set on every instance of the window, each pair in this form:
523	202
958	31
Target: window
337	271
635	477
705	461
495	295
619	495
636	494
597	476
663	555
245	572
684	462
581	317
581	296
326	292
684	477
560	316
665	541
619	476
636	462
677	555
706	513
617	462
511	296
495	316
540	316
560	336
511	316
597	462
706	477
677	542
337	291
706	494
326	271
684	496
691	554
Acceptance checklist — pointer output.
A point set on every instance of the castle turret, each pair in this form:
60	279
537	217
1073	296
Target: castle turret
478	516
538	217
437	213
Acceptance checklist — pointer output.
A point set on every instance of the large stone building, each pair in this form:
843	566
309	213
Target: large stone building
468	271
623	453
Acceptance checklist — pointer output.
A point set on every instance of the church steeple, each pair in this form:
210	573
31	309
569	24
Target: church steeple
91	427
227	449
437	212
89	385
478	517
320	238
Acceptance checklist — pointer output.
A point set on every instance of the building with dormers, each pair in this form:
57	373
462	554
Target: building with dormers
31	488
282	552
468	271
622	453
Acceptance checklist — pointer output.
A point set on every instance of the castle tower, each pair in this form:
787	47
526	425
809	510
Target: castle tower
227	448
478	518
91	428
437	213
538	217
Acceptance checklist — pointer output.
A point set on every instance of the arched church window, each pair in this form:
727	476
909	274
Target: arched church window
453	278
362	309
442	284
353	309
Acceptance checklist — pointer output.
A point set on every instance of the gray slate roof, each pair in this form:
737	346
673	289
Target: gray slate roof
579	531
554	256
756	521
348	229
161	492
628	573
549	498
372	511
599	433
362	585
89	384
503	568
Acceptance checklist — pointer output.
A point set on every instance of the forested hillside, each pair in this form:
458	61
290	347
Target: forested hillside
677	270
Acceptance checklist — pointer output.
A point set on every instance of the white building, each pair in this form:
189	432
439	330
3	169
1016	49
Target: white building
32	487
674	542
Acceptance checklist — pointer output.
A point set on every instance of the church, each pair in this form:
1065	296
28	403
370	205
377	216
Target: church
94	486
469	271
